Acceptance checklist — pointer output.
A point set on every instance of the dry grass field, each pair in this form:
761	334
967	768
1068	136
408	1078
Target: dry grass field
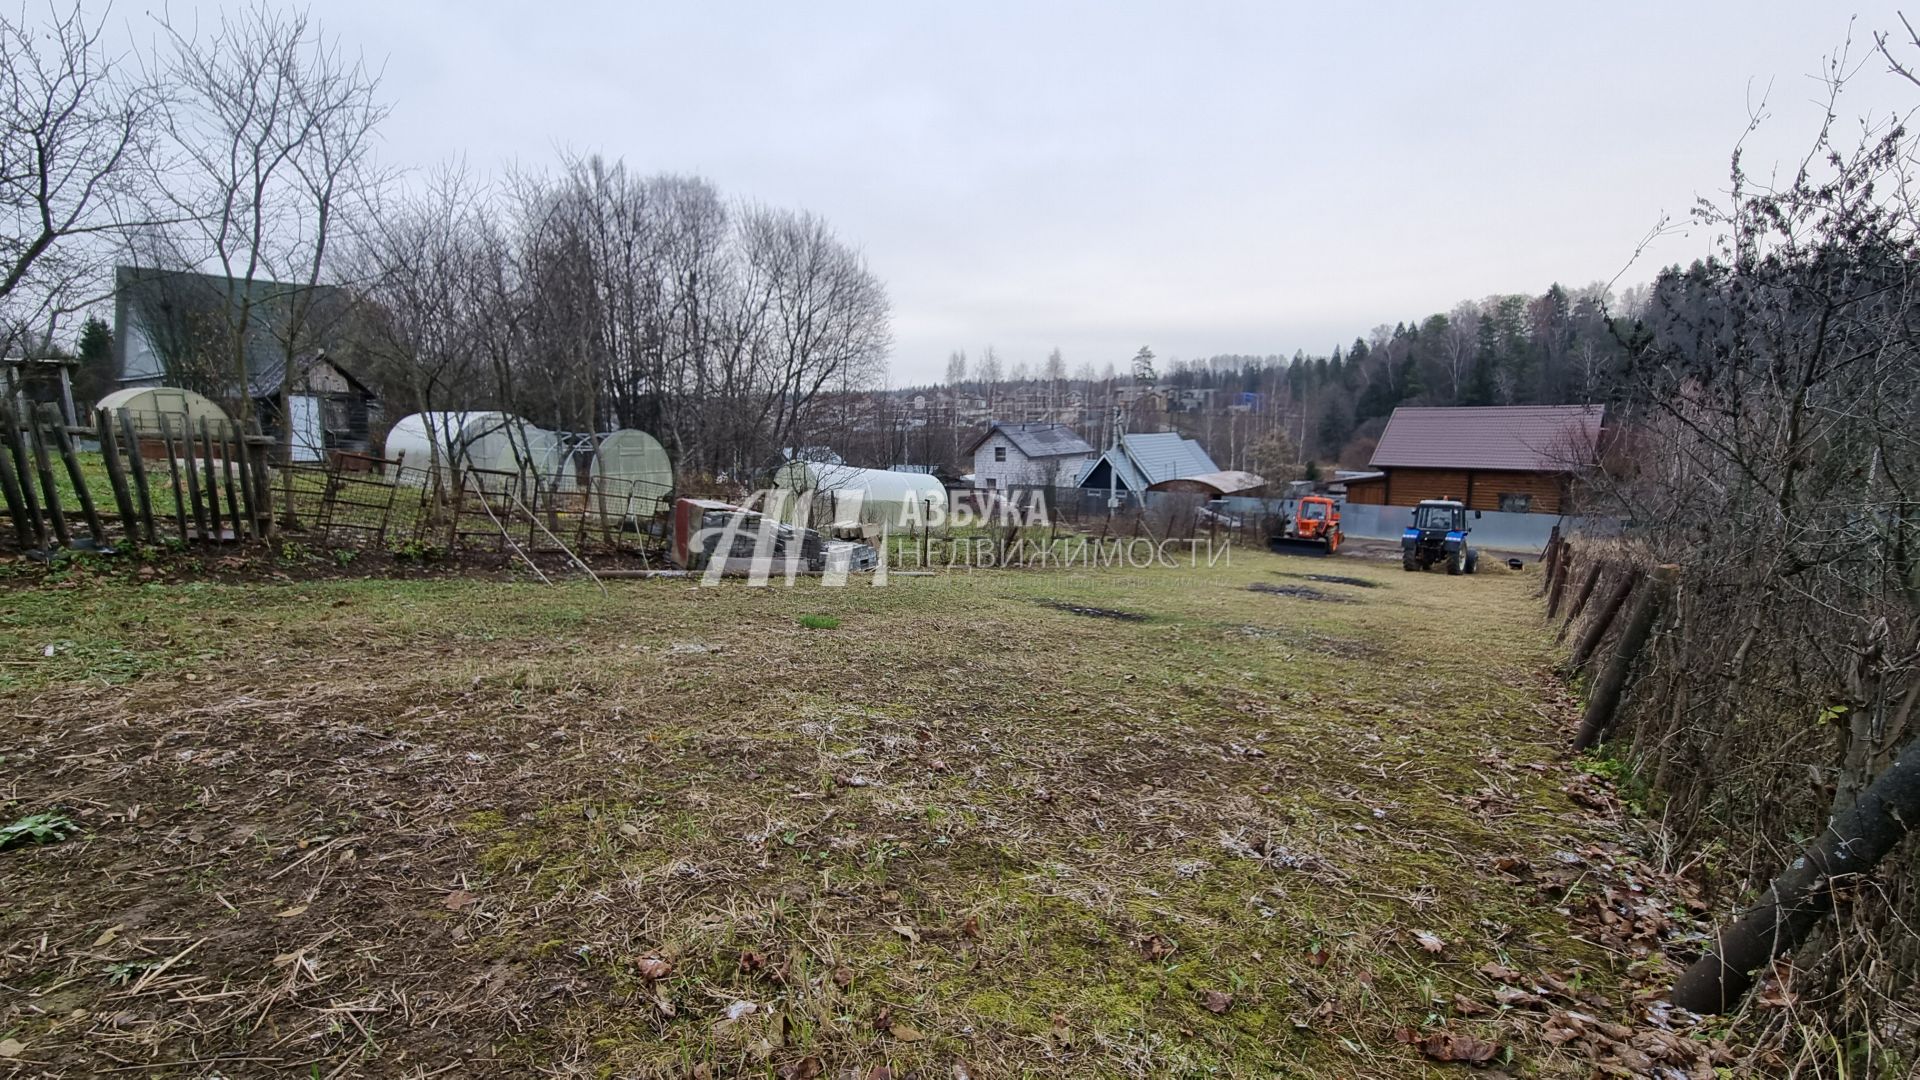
977	825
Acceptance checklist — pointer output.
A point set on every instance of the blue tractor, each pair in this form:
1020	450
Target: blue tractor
1439	535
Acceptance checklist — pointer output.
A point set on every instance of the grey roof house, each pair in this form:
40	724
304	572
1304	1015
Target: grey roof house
1143	460
1028	455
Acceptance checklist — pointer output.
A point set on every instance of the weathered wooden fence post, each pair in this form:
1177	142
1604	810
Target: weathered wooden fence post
248	495
190	465
43	465
63	442
259	454
226	482
116	474
1580	597
1605	699
26	528
23	472
211	487
1547	558
137	462
1557	591
1853	843
173	470
1596	630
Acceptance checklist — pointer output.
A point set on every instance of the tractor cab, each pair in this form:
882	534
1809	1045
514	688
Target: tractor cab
1312	529
1438	534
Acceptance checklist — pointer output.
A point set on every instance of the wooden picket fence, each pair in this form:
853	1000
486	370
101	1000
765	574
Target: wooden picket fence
156	484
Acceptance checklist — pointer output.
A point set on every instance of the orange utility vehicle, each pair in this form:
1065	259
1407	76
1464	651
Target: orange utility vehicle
1312	529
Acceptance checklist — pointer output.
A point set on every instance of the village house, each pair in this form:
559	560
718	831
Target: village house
1516	459
1142	460
1028	455
177	328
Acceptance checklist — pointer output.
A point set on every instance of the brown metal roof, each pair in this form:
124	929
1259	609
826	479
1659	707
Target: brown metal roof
1527	438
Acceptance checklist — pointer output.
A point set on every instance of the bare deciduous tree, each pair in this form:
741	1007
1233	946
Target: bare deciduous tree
73	124
269	148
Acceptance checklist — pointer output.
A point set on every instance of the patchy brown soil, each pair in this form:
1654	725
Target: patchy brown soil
1094	612
458	827
1332	579
1298	592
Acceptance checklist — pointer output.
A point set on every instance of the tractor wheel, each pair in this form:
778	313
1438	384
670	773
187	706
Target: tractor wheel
1473	560
1457	562
1408	562
1333	542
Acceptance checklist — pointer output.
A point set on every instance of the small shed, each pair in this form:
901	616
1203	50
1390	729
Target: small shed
328	408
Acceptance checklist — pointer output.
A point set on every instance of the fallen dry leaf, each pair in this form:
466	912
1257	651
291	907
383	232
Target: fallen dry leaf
1429	941
842	977
652	968
1157	948
807	1068
1218	1002
905	1033
1499	972
909	933
297	909
1449	1046
971	927
11	1048
459	898
1466	1006
1513	997
1060	1032
108	934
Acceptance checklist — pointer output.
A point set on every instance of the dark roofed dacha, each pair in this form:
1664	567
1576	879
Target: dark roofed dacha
1522	438
1514	458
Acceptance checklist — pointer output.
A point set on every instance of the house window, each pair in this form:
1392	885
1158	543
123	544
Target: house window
999	453
1511	503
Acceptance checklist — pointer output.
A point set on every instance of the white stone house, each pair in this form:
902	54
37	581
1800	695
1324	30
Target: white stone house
1029	455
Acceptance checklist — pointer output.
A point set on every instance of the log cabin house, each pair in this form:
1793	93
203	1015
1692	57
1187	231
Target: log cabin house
1514	458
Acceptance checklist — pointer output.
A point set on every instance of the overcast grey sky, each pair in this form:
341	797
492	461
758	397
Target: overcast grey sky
1200	177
